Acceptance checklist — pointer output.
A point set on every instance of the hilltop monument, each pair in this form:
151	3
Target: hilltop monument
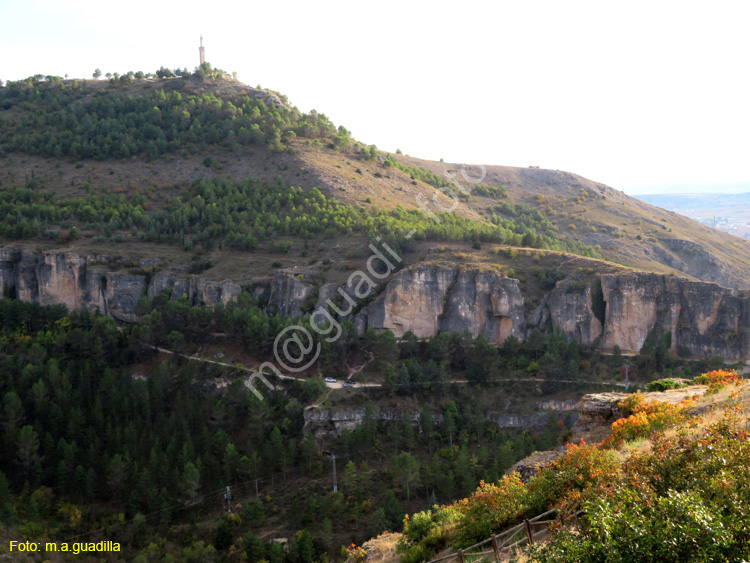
202	52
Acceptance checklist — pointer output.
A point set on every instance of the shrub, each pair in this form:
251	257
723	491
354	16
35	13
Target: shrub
643	417
490	508
584	466
718	378
664	384
684	501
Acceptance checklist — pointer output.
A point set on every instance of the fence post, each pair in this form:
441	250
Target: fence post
527	525
495	548
461	556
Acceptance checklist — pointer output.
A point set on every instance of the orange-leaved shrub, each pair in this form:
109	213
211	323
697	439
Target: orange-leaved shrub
645	417
583	467
718	378
490	508
686	500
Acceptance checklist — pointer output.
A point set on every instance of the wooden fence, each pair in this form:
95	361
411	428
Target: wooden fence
524	533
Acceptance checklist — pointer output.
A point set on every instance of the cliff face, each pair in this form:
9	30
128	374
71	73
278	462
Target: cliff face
429	300
704	318
327	424
619	309
51	278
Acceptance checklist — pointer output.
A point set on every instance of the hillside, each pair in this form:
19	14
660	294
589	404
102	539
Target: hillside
209	129
663	480
158	239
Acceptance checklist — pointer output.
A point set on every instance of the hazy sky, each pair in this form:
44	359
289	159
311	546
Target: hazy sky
632	94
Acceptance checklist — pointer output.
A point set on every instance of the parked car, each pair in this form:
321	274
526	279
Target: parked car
349	383
330	380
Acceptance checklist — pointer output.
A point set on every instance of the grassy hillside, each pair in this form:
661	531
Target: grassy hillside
143	143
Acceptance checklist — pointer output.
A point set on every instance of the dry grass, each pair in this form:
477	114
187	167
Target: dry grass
382	549
708	409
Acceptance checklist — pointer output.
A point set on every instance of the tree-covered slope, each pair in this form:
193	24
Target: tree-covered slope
147	140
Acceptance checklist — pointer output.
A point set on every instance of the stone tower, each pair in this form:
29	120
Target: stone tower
202	52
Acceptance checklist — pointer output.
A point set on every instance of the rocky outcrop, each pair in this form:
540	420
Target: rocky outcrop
288	294
532	464
89	283
614	310
704	318
597	410
427	300
571	312
327	424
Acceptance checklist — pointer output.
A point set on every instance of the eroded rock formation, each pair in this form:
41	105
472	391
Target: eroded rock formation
612	310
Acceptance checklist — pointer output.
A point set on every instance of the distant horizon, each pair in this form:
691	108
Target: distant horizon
691	188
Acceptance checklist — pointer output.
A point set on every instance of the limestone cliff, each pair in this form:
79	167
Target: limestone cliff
328	423
86	282
704	318
611	310
428	300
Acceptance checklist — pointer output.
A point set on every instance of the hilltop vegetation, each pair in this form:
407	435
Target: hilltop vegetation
54	118
82	120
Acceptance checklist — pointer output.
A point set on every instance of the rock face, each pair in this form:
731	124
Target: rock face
704	318
615	310
428	300
532	464
597	410
288	294
82	282
571	312
327	424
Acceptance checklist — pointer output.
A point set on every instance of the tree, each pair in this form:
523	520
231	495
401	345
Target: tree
97	74
390	379
28	449
378	523
427	425
117	472
7	511
386	348
350	478
404	381
393	511
190	483
405	469
254	547
450	419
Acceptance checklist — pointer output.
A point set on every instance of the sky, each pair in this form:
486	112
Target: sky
646	97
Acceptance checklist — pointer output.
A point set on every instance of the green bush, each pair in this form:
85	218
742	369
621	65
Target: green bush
664	384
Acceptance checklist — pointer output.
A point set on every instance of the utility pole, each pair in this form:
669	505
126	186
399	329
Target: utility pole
228	498
335	484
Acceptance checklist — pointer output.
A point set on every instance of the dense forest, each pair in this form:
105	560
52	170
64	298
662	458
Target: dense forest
78	389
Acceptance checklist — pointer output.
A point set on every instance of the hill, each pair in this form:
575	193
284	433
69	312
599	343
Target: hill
145	142
158	237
